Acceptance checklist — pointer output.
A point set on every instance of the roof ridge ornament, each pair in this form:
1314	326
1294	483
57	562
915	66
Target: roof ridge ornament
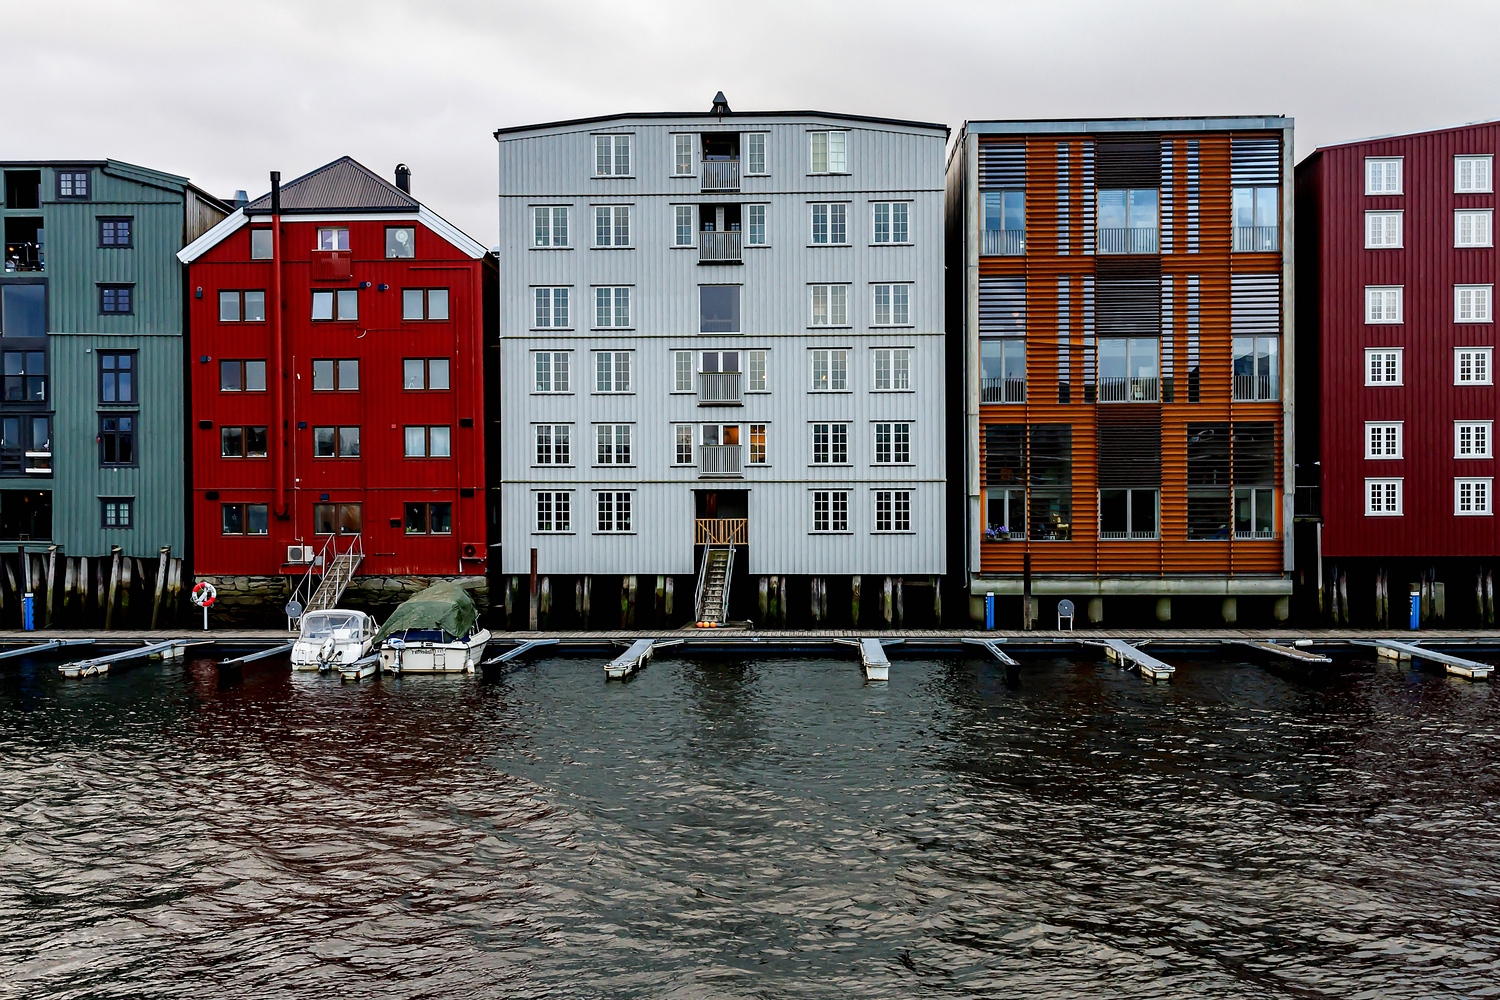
721	105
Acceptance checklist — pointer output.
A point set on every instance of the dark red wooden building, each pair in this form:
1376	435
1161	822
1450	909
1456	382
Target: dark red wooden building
337	329
1396	277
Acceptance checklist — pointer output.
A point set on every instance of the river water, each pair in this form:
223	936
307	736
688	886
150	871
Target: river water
733	829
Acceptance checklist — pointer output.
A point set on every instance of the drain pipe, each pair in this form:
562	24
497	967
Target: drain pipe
278	343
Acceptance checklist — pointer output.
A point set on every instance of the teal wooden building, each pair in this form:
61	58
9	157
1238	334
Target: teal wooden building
91	340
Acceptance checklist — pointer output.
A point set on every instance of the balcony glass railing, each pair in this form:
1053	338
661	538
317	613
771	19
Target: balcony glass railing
1256	239
719	248
1249	388
719	389
721	175
722	460
1002	390
1137	239
1004	243
1132	389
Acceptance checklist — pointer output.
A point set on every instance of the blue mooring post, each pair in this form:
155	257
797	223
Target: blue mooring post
989	611
28	613
1416	612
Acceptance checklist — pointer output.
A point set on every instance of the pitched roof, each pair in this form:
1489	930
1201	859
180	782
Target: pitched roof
344	185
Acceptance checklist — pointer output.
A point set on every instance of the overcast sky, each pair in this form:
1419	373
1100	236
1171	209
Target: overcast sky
226	91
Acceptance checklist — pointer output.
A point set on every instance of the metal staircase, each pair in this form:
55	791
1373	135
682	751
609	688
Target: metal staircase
338	570
713	585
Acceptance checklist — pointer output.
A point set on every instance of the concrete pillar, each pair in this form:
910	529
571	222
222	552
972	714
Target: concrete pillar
1231	610
976	608
854	584
1282	609
1163	609
1096	610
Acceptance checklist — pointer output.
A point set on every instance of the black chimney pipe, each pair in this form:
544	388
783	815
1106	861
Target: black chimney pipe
276	192
403	178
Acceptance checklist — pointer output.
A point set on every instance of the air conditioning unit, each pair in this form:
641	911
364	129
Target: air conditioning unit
473	550
300	555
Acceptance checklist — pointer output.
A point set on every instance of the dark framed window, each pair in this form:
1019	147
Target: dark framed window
25	376
424	303
719	308
115	231
26	443
242	376
335	374
429	519
335	442
117	439
117	299
261	244
242	442
424	373
73	184
116	512
338	303
23	309
245	519
242	306
117	377
400	241
338	518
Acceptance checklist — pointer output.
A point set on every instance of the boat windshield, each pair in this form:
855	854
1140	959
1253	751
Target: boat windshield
425	635
324	625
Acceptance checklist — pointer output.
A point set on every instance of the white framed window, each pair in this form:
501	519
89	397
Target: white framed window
682	226
1382	497
892	368
613	442
1383	303
892	443
1471	438
757	444
1471	303
549	226
830	511
1382	229
683	444
755	152
830	444
892	222
682	371
1473	227
892	305
552	309
611	226
428	442
551	371
755	226
830	152
554	444
613	512
612	307
682	154
892	510
1382	366
554	512
830	224
1471	497
830	305
1382	175
830	370
612	156
1471	366
1473	174
333	239
611	371
1382	439
755	371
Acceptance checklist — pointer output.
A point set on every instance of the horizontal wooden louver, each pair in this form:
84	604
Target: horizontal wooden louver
1051	455
1002	305
1255	162
1255	454
1255	304
1002	165
1129	446
1208	454
1004	454
1128	297
1128	163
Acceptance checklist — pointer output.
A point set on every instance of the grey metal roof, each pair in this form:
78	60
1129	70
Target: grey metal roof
345	185
689	115
1072	126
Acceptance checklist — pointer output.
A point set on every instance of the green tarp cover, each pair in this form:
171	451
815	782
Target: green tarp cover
447	606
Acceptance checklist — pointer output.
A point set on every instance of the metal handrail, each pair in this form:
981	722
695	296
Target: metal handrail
719	460
721	175
1003	243
721	531
1135	239
1250	388
1257	239
719	389
1127	389
1002	390
719	246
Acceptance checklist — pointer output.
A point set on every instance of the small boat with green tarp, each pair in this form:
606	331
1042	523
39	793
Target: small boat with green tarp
436	632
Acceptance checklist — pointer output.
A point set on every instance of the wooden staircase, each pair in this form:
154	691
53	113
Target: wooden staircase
713	585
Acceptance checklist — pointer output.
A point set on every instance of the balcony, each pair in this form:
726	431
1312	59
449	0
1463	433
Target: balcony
1115	536
1252	388
1128	389
719	248
24	257
1136	239
719	389
30	463
1004	243
1256	239
719	461
1002	390
38	463
721	175
721	531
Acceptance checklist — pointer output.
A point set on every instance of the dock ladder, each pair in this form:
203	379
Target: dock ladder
713	585
338	570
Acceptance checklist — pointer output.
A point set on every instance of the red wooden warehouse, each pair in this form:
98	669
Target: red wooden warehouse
337	328
1396	274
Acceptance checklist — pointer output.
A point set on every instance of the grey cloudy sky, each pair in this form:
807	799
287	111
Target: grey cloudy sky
226	91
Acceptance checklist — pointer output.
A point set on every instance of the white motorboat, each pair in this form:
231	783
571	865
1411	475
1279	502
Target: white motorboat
436	632
330	639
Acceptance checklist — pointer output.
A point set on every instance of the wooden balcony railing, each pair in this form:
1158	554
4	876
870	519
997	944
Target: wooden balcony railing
721	531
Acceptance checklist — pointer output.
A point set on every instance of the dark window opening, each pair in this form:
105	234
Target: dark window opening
117	440
337	518
721	145
117	377
429	519
23	310
719	308
25	245
719	218
25	515
23	189
25	376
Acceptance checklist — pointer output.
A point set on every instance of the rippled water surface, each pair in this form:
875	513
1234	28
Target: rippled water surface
750	829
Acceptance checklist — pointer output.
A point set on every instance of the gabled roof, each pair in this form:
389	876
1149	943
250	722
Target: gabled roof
1407	135
344	185
731	115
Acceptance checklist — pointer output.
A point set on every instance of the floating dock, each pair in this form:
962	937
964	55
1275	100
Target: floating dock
169	650
1458	666
872	658
629	661
1133	658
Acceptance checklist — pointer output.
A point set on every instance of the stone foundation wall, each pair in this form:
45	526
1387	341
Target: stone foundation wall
261	600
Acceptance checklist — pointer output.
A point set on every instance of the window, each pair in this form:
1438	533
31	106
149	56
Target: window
1005	514
682	226
830	510
891	222
1254	512
117	377
552	308
1473	228
1471	497
1257	368
1471	439
25	376
611	371
613	444
1004	223
424	303
1382	439
611	307
335	442
553	444
830	152
755	225
755	152
830	444
73	184
550	226
1382	366
892	305
721	449
682	371
114	232
116	299
757	444
337	518
1256	220
342	304
1471	303
117	439
333	239
830	370
424	373
116	512
262	245
1127	221
1471	365
682	435
719	308
23	309
830	305
36	450
1473	174
246	307
611	156
892	444
1382	497
612	225
1128	369
242	376
830	224
242	442
1382	229
1382	303
682	154
613	512
1002	370
554	512
1127	514
329	374
400	241
245	518
551	371
428	442
892	510
429	518
755	374
1382	175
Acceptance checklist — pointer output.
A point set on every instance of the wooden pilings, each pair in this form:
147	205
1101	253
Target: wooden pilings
82	592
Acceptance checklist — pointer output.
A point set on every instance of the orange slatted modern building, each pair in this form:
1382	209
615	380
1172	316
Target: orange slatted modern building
1119	297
